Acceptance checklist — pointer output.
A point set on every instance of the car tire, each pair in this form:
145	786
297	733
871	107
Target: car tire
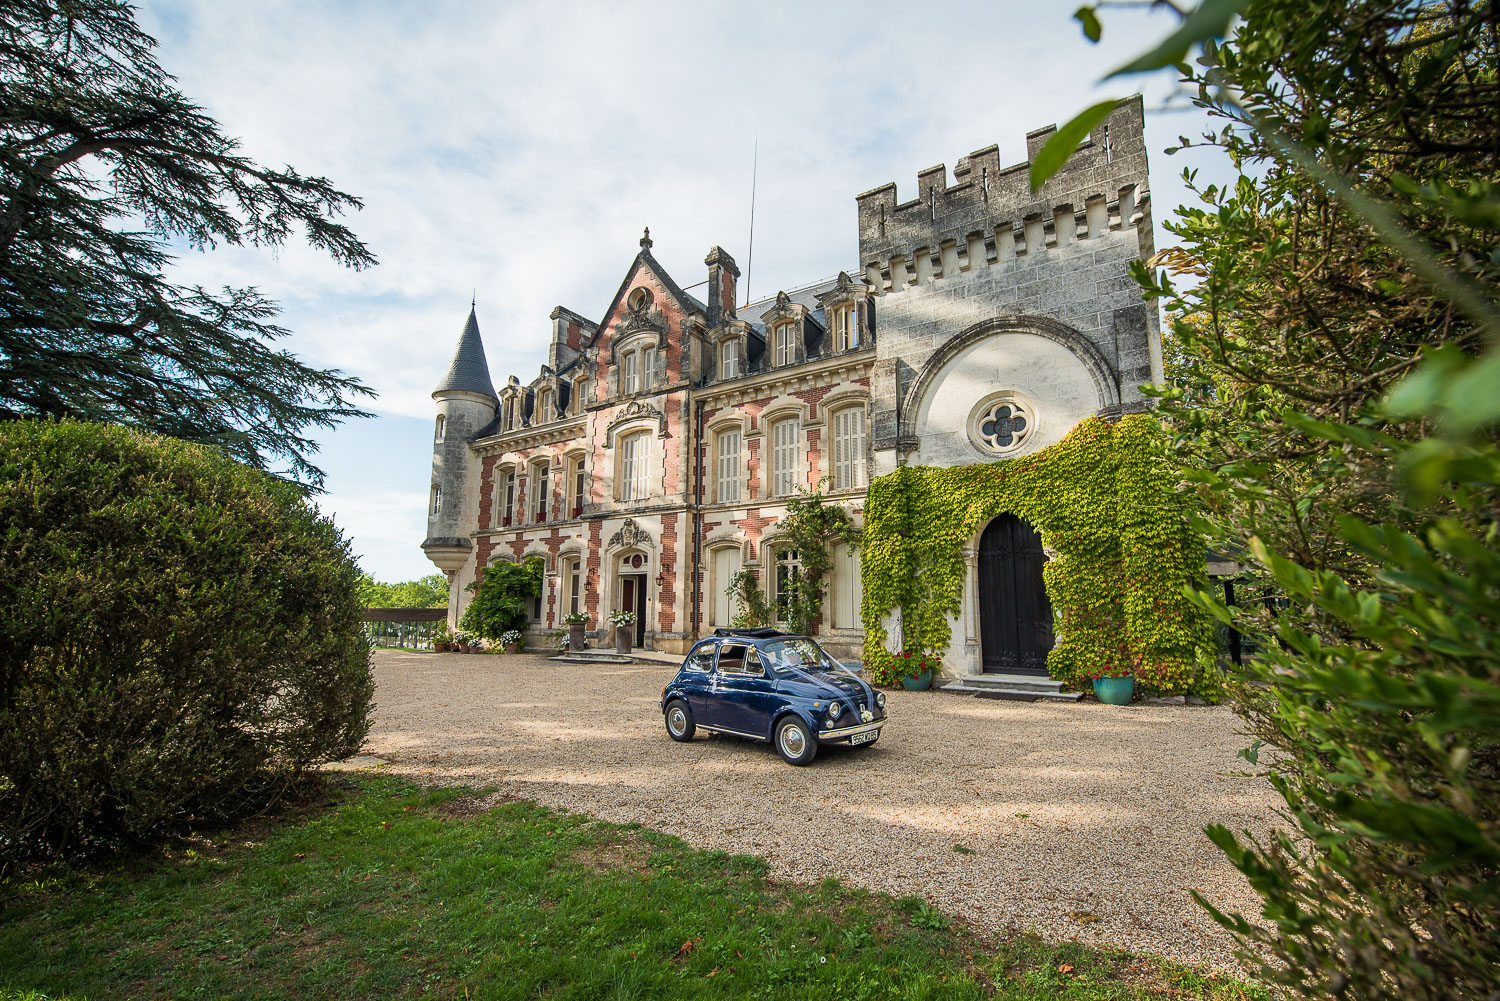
679	718
794	741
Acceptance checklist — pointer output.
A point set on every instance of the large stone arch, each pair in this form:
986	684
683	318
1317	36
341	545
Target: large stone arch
1043	361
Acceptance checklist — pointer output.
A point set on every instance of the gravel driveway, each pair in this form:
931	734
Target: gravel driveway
1084	820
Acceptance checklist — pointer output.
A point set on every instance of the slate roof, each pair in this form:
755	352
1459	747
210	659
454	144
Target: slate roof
469	373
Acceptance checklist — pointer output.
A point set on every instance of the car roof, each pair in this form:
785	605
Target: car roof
759	633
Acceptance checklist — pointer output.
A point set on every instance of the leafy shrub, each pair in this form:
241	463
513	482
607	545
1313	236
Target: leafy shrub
499	604
180	633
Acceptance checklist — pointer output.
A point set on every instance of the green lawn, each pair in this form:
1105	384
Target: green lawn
382	889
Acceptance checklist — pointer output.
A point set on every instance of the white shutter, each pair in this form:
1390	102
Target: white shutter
726	565
785	459
729	466
849	449
628	382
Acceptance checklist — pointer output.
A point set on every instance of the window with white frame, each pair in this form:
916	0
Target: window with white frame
635	466
729	360
544	406
785	581
784	340
845	328
572	585
435	506
506	421
648	366
786	456
849	471
727	480
539	488
725	562
630	379
442	424
505	495
580	387
577	486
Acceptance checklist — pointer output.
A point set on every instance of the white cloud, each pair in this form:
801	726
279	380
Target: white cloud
518	149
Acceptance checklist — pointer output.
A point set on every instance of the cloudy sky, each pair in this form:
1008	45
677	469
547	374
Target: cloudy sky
515	151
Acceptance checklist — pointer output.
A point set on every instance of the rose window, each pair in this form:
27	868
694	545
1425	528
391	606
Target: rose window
1004	426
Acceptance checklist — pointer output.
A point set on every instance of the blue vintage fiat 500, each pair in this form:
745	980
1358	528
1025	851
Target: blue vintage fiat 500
770	685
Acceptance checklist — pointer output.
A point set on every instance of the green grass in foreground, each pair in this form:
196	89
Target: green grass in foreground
391	890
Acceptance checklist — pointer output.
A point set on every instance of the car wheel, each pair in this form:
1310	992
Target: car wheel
680	725
795	741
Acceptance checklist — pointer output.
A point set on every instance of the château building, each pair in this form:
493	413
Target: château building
653	455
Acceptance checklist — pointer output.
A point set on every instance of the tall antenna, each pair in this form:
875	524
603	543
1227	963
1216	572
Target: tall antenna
750	258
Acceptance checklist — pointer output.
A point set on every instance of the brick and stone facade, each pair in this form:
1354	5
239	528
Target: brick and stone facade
652	456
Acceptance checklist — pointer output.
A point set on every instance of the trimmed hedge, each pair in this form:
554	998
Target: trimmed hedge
179	633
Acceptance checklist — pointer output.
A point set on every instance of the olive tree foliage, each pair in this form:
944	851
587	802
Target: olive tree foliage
181	636
102	161
1335	352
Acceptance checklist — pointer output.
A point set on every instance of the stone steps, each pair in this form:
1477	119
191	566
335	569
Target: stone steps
1020	687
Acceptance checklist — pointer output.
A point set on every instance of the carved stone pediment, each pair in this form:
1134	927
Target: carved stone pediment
629	536
633	411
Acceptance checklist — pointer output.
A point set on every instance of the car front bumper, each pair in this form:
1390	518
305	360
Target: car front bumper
845	732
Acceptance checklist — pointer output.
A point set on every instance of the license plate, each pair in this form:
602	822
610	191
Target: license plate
864	738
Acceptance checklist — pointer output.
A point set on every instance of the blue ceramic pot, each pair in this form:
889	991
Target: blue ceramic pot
919	683
1114	691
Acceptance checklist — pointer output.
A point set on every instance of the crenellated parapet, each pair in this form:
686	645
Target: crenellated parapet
989	215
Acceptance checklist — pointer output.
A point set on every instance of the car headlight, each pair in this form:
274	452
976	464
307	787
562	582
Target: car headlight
880	699
834	710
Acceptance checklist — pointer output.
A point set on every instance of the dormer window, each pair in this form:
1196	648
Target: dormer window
508	420
845	328
784	340
729	360
579	385
648	366
630	376
544	406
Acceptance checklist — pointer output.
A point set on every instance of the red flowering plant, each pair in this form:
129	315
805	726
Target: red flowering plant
910	664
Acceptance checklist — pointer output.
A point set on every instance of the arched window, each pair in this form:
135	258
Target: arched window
727	451
635	467
784	341
786	578
442	424
575	486
540	487
729	360
845	328
849	472
505	496
630	377
436	505
786	457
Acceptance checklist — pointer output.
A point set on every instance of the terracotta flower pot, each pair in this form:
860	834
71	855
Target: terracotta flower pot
441	646
511	647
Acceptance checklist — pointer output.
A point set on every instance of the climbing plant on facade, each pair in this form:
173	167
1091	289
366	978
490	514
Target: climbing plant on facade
1122	552
811	526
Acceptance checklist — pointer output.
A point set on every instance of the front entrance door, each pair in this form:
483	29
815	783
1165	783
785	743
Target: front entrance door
633	599
1015	617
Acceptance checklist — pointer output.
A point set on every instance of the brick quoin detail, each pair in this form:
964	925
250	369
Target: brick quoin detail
667	595
592	573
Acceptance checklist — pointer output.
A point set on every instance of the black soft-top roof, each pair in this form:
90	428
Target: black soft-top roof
759	633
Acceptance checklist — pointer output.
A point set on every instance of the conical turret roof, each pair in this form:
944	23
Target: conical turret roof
469	373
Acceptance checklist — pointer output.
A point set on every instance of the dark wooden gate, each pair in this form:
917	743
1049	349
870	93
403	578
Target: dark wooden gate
1015	617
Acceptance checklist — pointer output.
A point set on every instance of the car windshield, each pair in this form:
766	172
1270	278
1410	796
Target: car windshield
800	653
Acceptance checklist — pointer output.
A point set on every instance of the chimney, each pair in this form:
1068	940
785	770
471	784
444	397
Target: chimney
722	272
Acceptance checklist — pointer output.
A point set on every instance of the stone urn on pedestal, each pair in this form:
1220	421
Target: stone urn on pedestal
577	632
624	623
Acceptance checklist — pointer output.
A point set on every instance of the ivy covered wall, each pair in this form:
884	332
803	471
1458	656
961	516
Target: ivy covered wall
1105	502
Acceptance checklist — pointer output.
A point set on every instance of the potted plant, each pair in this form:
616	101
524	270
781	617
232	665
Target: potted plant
442	639
916	670
577	624
461	641
622	621
1114	684
511	640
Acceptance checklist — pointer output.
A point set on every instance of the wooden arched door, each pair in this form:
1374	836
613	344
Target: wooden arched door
1015	617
